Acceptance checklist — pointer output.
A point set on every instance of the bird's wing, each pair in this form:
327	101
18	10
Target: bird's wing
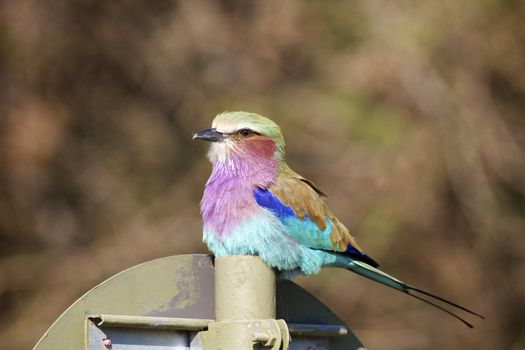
297	203
299	206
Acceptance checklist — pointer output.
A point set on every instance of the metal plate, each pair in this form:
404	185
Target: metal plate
180	287
175	286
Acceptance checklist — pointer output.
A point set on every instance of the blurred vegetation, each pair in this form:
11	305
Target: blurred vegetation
410	115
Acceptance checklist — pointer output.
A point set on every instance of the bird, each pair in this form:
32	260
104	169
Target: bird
255	204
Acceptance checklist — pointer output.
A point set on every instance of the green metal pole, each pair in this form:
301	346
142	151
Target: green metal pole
244	289
244	307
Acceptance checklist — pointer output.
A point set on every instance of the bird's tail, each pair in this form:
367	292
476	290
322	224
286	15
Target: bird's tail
379	276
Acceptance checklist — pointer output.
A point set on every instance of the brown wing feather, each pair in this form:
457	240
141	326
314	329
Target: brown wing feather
303	197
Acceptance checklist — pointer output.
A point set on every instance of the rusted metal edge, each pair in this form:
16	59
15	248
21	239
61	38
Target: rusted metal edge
317	330
189	324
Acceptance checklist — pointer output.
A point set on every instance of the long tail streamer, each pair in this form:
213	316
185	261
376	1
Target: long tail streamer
379	276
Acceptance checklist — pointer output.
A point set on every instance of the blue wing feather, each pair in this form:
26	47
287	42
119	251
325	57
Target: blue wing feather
267	200
304	231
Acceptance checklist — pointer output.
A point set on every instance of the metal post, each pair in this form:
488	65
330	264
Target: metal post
244	307
244	289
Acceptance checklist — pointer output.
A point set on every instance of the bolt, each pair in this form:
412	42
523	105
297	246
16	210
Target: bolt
262	337
106	342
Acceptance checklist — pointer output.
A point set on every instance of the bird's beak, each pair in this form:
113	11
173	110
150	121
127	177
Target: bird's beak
210	135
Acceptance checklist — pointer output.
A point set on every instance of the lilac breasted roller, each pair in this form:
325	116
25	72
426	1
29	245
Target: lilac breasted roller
254	204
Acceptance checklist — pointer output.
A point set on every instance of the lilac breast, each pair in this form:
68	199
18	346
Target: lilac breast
228	197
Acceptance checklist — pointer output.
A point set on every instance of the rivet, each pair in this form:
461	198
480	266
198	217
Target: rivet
106	342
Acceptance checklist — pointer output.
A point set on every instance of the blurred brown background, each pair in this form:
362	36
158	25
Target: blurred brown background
410	115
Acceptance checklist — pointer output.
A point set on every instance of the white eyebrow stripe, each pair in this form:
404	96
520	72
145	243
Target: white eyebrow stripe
226	129
231	128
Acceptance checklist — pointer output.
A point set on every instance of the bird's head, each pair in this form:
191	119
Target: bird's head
242	134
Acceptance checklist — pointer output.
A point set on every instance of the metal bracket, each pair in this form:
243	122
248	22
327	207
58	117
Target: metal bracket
106	331
272	333
243	335
119	332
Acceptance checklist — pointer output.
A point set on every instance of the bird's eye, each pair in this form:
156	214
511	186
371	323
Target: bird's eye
246	132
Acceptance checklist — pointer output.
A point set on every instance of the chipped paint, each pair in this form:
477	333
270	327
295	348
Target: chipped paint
147	289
